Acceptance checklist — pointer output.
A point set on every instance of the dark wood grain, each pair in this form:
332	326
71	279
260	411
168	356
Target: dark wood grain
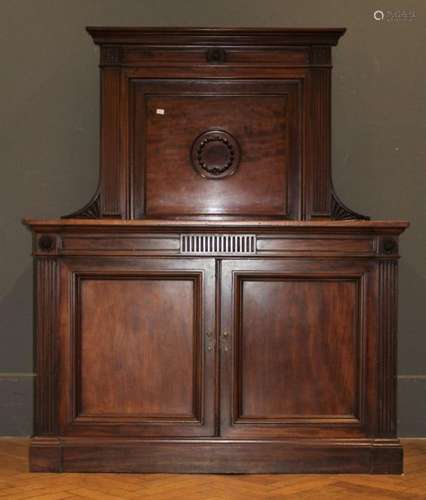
298	344
261	116
128	319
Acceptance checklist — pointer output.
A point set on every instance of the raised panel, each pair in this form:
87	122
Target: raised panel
169	142
133	360
215	148
297	348
116	243
316	245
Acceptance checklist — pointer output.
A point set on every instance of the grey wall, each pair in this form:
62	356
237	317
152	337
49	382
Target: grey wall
49	145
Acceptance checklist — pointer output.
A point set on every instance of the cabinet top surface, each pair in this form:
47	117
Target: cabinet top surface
242	35
327	225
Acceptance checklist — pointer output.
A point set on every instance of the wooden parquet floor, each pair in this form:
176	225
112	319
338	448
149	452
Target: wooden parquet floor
17	483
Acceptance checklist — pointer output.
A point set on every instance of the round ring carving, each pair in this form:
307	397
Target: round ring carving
390	246
46	242
215	154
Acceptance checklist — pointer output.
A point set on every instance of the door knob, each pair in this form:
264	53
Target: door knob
210	341
225	341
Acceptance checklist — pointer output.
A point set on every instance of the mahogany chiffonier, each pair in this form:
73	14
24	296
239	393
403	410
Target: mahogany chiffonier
215	307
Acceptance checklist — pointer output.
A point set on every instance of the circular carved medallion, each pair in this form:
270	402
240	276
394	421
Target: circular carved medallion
46	242
215	154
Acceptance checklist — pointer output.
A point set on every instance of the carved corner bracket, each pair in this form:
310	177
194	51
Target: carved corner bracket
339	211
90	211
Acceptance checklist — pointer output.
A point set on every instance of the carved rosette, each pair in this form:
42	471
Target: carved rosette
110	56
46	244
216	55
215	154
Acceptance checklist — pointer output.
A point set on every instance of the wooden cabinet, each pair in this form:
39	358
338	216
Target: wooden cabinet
215	307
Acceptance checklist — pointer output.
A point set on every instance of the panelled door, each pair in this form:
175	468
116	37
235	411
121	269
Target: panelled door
136	344
297	340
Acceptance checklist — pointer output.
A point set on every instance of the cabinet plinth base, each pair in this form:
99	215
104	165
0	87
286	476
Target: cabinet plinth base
216	456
